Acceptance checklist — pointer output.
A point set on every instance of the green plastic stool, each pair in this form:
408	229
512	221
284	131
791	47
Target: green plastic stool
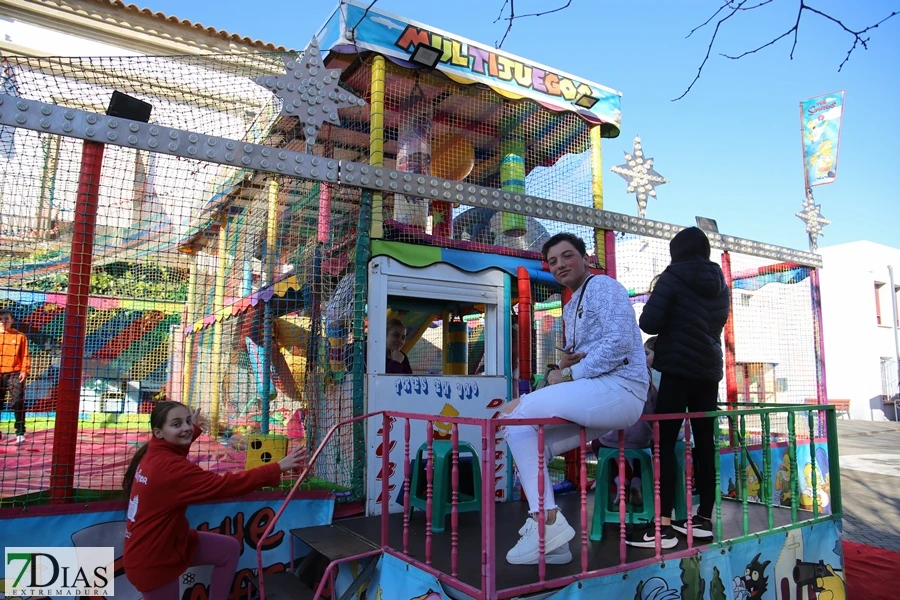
604	511
469	498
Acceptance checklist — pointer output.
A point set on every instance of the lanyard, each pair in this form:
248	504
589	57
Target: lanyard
578	309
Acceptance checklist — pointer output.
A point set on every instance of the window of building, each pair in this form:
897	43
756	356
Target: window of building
885	304
878	288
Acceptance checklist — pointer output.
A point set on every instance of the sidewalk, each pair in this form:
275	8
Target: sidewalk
870	482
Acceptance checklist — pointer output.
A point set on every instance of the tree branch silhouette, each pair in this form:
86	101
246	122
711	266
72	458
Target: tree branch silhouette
733	7
513	16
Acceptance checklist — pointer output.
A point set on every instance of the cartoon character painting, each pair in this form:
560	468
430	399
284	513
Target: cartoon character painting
753	484
823	488
822	577
783	482
656	588
754	583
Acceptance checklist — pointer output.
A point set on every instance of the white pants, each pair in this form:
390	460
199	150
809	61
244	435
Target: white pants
600	404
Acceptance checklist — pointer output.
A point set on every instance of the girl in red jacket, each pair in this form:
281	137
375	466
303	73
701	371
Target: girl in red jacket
160	484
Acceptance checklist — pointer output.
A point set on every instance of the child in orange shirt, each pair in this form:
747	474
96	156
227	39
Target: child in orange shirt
15	365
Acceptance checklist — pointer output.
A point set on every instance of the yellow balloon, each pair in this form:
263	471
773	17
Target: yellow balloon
452	157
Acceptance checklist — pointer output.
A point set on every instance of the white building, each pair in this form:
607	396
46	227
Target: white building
860	324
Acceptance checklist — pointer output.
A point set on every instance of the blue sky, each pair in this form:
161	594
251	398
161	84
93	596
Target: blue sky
731	148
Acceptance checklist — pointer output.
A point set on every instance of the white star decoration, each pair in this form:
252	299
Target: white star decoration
310	92
638	172
812	216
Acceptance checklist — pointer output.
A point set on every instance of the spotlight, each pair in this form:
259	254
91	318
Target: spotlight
707	224
126	107
585	101
426	55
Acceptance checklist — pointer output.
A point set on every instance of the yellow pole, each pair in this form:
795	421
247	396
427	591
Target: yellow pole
268	337
376	141
188	343
218	304
597	191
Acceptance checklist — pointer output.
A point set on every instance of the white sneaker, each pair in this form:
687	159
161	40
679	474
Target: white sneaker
20	439
560	556
527	551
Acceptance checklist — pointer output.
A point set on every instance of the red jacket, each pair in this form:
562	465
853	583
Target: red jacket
159	543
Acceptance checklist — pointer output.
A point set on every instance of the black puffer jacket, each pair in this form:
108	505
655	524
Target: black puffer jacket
688	308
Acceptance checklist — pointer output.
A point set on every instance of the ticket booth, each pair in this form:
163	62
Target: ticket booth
458	335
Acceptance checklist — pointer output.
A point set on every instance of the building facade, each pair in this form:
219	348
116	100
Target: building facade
859	314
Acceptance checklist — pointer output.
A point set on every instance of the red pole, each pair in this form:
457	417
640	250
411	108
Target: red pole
526	321
731	391
70	367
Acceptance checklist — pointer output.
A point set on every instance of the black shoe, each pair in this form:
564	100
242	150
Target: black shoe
701	527
645	537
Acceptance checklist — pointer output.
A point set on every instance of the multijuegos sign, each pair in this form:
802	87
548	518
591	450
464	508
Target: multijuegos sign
51	571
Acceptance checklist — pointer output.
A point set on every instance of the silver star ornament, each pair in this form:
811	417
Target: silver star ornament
310	92
812	216
638	172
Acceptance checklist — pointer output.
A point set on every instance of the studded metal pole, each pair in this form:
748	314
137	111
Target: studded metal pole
65	435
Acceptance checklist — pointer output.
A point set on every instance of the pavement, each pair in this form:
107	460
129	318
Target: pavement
870	482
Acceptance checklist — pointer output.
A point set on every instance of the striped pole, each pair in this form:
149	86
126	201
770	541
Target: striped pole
457	348
512	179
597	192
376	141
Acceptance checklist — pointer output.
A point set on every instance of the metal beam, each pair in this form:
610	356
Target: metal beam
49	118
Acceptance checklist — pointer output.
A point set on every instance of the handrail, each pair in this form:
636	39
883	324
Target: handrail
309	464
489	427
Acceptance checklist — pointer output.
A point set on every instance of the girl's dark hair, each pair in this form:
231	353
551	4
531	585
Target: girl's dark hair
689	244
157	420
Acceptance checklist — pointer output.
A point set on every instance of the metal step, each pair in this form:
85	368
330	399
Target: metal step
333	541
283	586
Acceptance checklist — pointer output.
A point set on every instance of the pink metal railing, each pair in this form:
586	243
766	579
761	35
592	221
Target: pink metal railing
489	428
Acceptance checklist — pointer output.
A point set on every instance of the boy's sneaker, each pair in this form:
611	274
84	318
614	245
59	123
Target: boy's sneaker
701	527
20	439
526	551
645	537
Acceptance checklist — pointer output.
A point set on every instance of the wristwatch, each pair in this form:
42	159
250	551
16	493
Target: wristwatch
567	374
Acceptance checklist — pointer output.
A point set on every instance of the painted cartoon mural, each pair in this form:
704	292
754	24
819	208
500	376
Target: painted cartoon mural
780	480
244	521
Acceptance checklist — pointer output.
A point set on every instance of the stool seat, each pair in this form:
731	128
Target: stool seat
607	512
469	492
604	510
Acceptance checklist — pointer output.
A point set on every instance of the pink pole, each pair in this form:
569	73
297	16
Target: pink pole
542	563
454	500
65	437
429	490
621	463
818	336
610	239
324	224
688	476
406	480
488	508
656	499
385	478
582	440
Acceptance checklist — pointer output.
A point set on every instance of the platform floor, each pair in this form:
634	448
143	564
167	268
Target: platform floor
511	516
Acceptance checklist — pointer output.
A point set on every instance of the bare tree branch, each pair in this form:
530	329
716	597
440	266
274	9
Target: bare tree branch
512	17
733	7
795	30
712	40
